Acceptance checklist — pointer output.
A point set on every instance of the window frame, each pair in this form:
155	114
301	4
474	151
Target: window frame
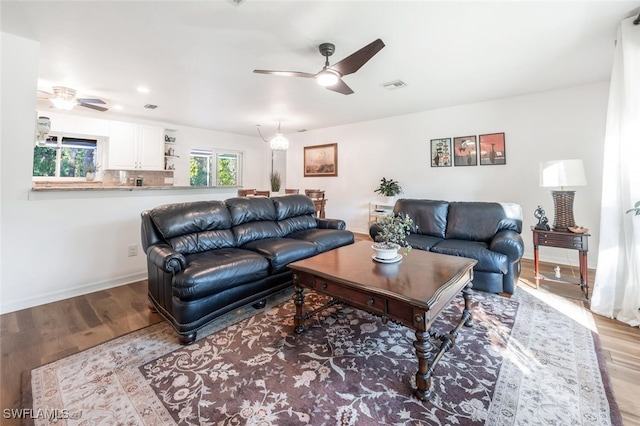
216	153
60	136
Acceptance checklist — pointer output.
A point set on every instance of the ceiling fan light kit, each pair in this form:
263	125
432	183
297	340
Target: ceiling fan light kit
327	78
64	98
331	76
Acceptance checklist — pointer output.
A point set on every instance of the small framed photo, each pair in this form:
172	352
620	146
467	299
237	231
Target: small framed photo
465	151
441	152
321	160
492	149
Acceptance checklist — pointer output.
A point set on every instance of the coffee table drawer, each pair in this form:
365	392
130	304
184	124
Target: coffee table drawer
370	302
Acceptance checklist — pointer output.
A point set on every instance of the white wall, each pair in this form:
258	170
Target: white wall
544	126
61	244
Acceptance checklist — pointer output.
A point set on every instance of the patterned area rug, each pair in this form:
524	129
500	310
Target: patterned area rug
526	360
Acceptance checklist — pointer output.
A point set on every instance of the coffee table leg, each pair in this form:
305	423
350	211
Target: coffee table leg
423	376
298	300
467	313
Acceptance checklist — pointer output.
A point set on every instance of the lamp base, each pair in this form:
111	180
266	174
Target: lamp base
563	210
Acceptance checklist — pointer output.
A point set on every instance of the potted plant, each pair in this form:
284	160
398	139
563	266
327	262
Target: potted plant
389	188
392	235
90	171
275	181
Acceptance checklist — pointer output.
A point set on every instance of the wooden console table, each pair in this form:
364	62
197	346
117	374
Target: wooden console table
567	240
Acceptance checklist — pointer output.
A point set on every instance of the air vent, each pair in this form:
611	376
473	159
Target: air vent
150	106
393	85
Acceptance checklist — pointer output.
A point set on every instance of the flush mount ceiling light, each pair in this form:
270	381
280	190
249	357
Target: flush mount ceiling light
65	98
278	142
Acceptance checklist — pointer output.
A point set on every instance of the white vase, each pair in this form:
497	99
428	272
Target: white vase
391	201
384	253
90	176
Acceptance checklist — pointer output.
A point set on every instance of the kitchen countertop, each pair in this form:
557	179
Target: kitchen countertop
98	187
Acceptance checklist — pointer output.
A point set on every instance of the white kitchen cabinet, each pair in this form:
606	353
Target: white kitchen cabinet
135	147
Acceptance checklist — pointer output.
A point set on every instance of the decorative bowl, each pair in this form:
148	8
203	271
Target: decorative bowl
578	229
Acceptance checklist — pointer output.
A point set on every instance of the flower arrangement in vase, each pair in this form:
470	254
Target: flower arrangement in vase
276	181
392	235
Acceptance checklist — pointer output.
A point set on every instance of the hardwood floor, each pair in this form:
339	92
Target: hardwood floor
36	336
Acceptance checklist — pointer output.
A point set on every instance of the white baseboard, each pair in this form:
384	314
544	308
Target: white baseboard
54	296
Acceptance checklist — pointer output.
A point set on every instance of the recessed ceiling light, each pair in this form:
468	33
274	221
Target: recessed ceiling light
118	107
142	89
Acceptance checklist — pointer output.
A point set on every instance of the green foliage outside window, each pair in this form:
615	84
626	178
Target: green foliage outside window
76	158
199	171
44	161
203	170
227	171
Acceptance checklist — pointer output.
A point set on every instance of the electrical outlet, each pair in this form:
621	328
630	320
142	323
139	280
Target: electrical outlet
133	250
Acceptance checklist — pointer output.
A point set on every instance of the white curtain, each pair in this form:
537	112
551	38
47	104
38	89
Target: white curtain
616	292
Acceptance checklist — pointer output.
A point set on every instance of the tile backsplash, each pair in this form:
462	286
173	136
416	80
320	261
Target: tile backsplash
128	177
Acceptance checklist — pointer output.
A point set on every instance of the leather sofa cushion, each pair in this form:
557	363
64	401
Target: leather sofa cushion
422	242
282	251
252	231
429	216
480	221
195	226
250	209
325	239
215	271
490	261
293	205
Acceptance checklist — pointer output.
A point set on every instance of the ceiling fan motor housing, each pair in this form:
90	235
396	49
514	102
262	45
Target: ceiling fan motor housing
327	49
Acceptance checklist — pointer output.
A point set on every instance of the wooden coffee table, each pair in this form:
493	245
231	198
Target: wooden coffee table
411	292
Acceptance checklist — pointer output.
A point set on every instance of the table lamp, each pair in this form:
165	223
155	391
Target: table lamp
559	174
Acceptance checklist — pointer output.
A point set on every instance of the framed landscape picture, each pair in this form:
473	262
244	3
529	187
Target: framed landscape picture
441	152
465	150
492	149
321	160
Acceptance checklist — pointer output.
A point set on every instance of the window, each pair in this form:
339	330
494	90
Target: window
65	157
212	168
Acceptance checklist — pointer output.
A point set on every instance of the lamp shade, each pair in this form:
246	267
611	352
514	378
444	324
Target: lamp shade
561	173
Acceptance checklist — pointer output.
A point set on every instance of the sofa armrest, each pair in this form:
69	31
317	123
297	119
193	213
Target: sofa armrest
374	229
165	258
331	223
508	242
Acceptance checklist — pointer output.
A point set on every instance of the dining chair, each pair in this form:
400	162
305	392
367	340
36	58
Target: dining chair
263	193
246	192
291	191
317	195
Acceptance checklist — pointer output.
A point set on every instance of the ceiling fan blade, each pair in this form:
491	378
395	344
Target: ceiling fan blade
285	73
96	107
91	101
352	63
341	87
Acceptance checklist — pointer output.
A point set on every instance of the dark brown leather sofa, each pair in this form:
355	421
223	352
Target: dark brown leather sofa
207	258
485	231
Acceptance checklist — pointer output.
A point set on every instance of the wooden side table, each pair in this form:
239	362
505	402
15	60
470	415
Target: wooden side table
567	240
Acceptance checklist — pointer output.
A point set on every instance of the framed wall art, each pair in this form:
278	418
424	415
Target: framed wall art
321	160
492	149
465	151
441	152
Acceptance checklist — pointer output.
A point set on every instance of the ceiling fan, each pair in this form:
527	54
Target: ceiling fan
65	98
331	76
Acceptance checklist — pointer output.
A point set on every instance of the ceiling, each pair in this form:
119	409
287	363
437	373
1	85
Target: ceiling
197	57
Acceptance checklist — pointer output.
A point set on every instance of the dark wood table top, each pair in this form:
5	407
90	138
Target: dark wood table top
418	278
